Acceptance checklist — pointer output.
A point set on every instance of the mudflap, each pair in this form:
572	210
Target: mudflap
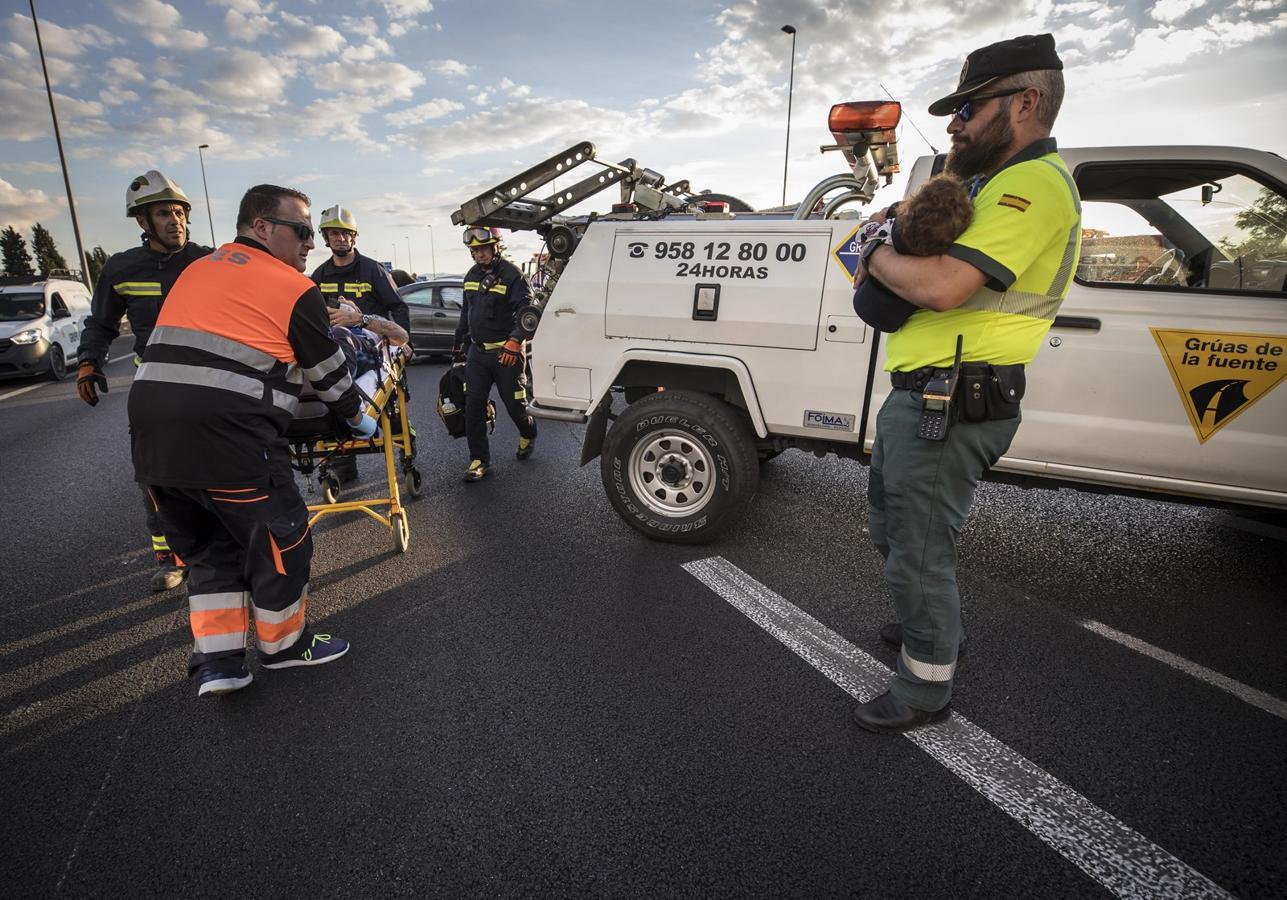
596	428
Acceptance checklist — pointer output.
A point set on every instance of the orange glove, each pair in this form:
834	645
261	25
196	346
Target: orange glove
90	375
511	353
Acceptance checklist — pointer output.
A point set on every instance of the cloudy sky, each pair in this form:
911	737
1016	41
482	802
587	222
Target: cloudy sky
404	109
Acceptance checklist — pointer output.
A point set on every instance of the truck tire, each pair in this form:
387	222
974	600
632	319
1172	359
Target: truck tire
680	466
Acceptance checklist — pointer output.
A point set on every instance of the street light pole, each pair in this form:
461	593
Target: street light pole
433	256
786	156
209	214
394	245
62	157
410	267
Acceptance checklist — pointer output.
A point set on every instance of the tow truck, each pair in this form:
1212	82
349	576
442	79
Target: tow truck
697	338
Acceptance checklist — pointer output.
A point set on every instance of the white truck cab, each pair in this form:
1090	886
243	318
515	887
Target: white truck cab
41	319
727	337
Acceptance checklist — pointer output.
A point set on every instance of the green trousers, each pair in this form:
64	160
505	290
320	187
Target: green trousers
920	494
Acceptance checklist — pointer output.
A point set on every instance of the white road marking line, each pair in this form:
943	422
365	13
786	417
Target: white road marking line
1260	699
119	358
30	387
1099	844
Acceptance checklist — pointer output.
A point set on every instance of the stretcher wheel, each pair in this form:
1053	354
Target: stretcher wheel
414	482
401	531
331	488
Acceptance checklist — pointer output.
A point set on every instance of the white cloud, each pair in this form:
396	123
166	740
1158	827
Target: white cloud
300	37
246	7
125	71
449	68
21	209
246	27
374	48
416	115
535	125
35	167
366	26
1171	10
381	83
247	81
58	41
158	24
402	9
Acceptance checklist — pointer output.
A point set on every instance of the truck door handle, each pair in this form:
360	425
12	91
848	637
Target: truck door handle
440	315
1088	323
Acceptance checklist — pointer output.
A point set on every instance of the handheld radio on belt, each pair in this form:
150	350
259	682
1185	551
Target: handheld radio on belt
936	401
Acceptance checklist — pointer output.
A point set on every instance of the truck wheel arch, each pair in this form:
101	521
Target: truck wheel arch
642	372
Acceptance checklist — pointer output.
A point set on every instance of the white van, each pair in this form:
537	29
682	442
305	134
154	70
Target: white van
41	320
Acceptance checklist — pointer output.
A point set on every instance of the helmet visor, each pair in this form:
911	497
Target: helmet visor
479	235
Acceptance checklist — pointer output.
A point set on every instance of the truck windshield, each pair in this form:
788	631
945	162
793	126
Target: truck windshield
21	307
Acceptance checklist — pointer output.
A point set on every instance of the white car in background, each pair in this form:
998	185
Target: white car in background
41	320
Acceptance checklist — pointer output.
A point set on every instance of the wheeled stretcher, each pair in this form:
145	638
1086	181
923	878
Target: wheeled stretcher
317	440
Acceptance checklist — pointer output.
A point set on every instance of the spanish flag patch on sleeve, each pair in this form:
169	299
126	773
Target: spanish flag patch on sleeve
1014	202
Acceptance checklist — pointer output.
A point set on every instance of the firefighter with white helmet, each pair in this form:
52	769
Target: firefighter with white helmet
490	342
133	285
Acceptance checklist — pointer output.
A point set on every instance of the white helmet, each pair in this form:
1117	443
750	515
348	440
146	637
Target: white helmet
153	187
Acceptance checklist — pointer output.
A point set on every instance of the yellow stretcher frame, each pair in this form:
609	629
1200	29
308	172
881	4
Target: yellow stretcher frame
385	441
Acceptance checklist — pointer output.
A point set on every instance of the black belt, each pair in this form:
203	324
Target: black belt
916	379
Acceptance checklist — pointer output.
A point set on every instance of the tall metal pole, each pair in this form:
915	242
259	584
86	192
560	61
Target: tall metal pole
209	214
394	245
433	256
410	267
62	157
786	156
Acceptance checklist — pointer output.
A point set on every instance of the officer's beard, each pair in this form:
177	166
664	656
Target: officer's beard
344	257
984	153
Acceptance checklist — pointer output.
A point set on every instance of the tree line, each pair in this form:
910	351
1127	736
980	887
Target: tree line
17	257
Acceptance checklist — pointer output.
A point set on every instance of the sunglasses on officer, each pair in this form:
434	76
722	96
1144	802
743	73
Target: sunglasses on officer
966	109
303	230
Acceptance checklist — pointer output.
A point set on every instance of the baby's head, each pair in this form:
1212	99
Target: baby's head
933	218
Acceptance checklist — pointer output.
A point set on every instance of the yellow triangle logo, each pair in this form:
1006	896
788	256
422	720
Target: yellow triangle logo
1219	374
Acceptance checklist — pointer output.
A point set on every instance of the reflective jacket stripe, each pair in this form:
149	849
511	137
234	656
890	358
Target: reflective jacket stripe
333	393
359	288
470	285
213	343
202	376
138	288
329	287
501	289
326	366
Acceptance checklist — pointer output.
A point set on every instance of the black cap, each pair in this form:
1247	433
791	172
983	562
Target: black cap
987	64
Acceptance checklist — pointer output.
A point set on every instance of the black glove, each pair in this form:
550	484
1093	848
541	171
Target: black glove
90	375
458	354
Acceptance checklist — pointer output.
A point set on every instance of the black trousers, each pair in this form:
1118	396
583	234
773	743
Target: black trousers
246	549
482	370
160	546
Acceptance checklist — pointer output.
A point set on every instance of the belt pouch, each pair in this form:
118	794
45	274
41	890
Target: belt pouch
972	391
1005	391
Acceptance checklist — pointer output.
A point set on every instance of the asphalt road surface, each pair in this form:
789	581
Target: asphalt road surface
540	702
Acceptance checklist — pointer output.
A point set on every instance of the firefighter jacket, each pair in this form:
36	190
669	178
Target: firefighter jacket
365	284
493	298
134	284
222	374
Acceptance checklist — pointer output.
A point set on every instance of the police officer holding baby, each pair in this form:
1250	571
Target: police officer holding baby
957	363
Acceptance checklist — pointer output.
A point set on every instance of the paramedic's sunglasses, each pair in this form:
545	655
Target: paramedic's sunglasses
303	230
966	109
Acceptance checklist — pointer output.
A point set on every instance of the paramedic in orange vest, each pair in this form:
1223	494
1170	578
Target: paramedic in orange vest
220	380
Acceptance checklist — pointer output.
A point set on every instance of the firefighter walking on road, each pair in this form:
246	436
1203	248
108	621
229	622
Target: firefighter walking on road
490	342
133	285
219	384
